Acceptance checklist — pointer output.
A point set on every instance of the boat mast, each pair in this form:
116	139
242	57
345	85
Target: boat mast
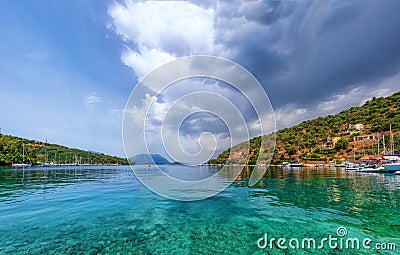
45	149
378	142
384	145
391	141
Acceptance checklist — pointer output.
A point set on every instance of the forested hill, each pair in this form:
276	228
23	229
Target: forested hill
351	133
35	152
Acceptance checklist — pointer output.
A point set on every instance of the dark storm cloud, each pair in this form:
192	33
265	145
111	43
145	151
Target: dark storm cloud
341	13
312	57
364	50
265	12
304	52
203	122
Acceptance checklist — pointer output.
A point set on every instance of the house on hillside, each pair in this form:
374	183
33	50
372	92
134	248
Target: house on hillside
331	141
364	138
355	127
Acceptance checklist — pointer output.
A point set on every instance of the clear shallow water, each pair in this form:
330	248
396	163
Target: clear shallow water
105	210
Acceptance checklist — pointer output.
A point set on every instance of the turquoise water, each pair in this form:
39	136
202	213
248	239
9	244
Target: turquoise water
105	210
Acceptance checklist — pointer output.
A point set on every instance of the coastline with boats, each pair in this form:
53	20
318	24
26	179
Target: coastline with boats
363	139
24	153
384	161
378	163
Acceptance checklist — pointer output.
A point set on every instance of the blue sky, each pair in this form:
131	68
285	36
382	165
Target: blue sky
62	78
67	68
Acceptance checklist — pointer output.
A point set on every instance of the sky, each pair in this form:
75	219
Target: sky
67	68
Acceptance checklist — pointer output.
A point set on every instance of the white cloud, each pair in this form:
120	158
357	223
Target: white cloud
358	96
162	31
142	63
139	114
289	115
331	105
92	100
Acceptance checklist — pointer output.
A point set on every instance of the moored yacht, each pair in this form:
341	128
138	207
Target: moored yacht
352	167
372	169
292	164
392	167
23	164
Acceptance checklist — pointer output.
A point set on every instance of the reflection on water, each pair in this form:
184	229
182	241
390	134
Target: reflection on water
15	183
371	198
104	210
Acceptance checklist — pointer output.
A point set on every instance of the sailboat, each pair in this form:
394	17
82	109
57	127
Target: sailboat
394	166
46	164
23	164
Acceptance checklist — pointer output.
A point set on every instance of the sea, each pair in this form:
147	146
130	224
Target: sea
107	210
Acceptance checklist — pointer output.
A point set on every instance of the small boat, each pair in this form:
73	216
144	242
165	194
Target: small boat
352	167
296	165
46	164
397	173
372	169
21	165
292	164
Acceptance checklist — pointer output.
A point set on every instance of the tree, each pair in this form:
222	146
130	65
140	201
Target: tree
291	150
341	144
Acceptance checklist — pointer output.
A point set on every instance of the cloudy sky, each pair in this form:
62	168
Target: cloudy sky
67	68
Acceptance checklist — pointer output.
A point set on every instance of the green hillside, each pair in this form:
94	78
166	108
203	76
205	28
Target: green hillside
11	151
335	137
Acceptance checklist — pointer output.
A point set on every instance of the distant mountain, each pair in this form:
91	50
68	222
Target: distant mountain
94	152
144	159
